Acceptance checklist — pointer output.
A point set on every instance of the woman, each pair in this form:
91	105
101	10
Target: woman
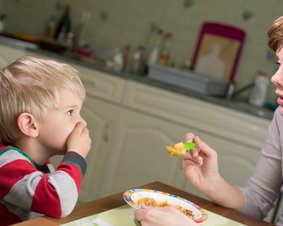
201	168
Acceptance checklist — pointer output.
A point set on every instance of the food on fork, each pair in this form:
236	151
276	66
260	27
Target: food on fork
180	148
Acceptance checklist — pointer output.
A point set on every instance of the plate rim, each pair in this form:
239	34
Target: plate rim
127	197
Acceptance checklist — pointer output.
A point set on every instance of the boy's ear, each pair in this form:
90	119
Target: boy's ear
27	124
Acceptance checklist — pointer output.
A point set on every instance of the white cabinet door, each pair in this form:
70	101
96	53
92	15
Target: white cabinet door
236	161
101	119
138	154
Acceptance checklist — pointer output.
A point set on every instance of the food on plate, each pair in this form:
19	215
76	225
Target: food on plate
180	148
156	203
137	198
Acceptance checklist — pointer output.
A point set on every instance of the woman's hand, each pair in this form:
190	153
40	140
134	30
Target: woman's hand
200	165
201	168
162	216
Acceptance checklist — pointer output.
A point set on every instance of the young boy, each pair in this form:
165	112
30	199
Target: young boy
40	103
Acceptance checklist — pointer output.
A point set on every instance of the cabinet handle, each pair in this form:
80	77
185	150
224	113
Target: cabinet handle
107	128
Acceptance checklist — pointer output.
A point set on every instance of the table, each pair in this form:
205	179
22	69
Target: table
116	200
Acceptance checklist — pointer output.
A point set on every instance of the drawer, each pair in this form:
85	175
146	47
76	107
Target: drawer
98	84
101	84
203	116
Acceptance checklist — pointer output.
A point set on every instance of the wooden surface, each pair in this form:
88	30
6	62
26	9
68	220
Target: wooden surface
117	200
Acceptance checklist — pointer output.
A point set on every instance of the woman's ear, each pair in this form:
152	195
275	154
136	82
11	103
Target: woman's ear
28	125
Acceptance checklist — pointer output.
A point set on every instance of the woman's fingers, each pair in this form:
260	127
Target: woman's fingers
190	137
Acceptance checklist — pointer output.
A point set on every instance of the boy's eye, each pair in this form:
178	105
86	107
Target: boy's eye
70	112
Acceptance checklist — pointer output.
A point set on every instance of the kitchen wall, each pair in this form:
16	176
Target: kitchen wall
116	23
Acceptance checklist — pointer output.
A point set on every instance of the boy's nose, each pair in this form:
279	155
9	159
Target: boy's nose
83	121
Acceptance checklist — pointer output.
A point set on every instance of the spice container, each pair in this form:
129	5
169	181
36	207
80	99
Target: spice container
165	54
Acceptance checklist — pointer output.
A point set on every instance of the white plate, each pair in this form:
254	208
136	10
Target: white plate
132	196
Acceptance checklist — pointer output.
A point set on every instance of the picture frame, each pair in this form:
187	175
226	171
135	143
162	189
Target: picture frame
218	50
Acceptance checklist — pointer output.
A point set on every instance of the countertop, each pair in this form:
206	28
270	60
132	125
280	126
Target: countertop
96	65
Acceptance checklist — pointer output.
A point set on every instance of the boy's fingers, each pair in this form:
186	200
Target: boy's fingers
81	127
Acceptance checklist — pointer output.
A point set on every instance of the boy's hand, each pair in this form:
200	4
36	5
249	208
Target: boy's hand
79	140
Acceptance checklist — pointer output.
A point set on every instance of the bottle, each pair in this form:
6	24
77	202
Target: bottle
63	25
154	54
70	42
138	61
118	60
2	27
81	33
259	91
127	58
164	57
51	27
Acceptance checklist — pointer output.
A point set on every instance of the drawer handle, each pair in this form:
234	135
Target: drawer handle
107	129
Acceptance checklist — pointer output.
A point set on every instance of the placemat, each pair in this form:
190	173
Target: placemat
124	216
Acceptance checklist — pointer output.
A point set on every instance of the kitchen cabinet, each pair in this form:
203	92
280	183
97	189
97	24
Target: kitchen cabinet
217	120
101	118
236	136
139	153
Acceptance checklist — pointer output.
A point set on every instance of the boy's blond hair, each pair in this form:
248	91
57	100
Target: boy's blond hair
31	85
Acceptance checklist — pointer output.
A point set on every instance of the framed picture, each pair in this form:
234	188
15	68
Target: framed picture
218	51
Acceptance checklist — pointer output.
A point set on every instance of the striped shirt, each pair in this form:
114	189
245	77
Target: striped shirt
28	190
